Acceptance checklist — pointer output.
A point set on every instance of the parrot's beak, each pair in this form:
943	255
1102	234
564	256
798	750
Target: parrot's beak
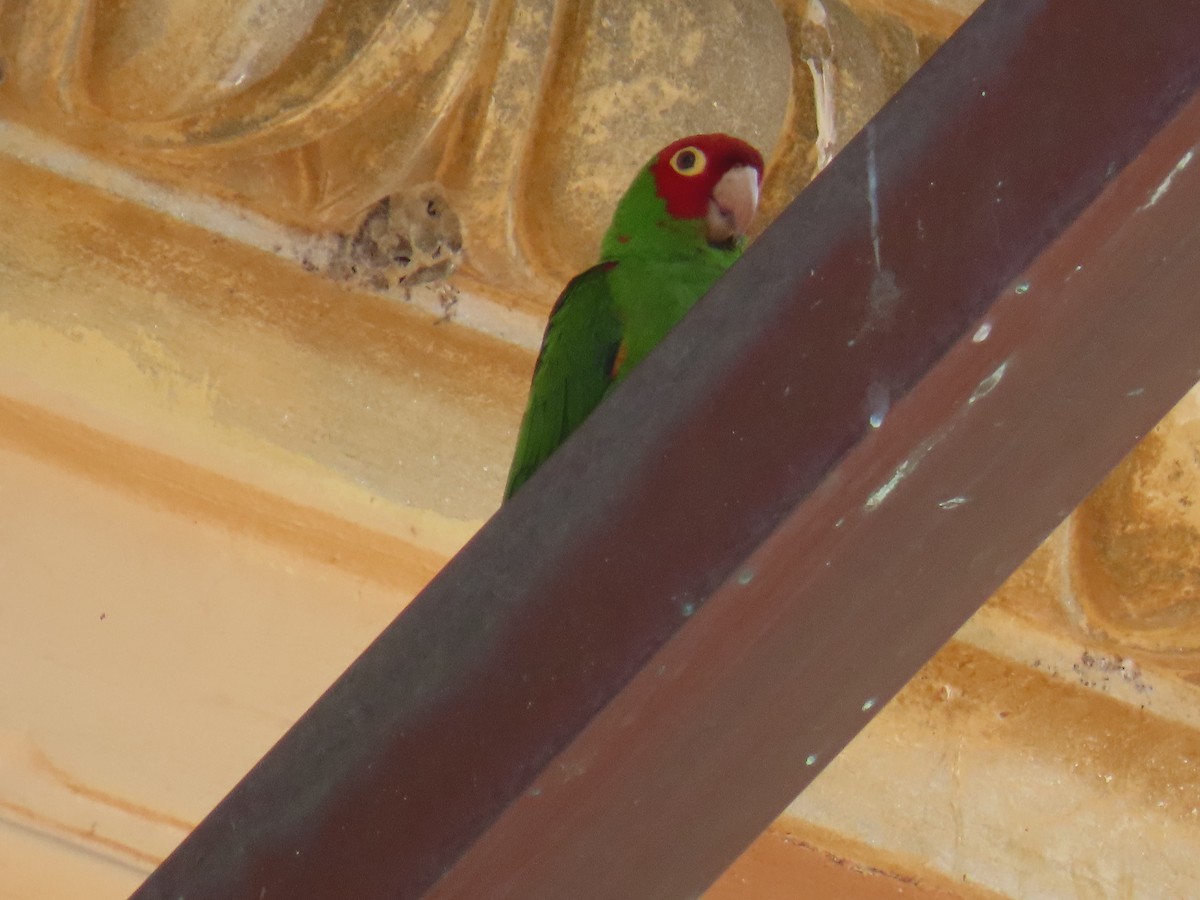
732	205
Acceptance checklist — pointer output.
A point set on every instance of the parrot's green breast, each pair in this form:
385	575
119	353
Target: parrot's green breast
650	297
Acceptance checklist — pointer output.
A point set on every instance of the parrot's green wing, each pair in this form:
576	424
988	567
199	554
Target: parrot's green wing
573	371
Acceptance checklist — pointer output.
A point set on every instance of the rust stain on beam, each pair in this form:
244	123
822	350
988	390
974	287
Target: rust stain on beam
918	370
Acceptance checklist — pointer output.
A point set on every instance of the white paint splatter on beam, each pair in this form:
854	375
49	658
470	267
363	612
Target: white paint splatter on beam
1161	190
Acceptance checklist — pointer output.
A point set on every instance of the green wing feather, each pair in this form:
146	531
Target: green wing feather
573	370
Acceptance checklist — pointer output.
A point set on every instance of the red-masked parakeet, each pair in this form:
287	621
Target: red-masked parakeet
680	225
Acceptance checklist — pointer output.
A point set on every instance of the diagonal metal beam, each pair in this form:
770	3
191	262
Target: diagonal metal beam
916	372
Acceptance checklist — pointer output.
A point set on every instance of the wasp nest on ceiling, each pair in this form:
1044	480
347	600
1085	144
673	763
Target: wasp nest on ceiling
405	239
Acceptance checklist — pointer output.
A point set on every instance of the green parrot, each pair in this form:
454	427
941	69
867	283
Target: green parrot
680	225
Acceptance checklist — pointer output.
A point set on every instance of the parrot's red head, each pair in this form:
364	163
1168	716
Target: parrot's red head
713	177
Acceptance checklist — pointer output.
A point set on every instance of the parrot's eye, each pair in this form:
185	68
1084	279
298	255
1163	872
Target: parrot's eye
689	161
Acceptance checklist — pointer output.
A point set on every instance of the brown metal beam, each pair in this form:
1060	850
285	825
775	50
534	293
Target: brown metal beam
917	371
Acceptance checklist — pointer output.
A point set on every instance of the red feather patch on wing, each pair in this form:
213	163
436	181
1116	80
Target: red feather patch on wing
687	192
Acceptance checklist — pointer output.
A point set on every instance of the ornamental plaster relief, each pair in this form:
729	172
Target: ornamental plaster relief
529	115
